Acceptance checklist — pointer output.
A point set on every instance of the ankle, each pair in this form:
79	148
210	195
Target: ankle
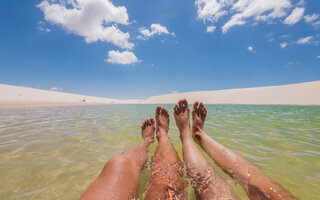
185	134
148	141
161	133
198	134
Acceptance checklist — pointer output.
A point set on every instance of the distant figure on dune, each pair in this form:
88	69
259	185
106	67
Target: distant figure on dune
119	179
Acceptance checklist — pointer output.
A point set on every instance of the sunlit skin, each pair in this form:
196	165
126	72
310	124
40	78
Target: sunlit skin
166	180
120	177
207	182
255	182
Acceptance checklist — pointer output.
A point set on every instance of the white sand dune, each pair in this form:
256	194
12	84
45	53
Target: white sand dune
23	96
295	94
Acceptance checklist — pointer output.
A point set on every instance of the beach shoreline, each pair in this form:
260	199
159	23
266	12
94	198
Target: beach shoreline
300	94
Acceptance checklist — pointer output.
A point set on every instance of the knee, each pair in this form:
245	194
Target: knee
118	163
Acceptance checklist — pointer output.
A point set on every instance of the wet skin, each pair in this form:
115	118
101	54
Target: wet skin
207	182
119	179
166	180
255	182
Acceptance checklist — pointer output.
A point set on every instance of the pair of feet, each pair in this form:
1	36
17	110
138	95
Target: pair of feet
181	115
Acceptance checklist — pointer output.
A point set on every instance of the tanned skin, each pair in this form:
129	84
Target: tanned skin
166	180
120	177
255	182
208	184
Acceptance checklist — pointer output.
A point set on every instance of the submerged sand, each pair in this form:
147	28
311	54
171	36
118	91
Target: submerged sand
307	93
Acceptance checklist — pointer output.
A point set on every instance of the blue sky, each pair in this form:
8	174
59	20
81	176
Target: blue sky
137	49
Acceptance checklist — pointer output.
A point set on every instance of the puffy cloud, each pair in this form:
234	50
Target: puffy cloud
305	40
92	19
123	58
295	16
258	10
283	45
311	18
211	29
155	29
241	11
250	48
212	10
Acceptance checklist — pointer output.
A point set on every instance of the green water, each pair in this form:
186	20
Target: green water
56	152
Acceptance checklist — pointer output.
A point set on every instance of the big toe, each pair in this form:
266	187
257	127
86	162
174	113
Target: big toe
181	105
195	107
158	110
165	112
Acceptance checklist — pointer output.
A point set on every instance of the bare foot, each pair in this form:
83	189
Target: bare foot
147	129
181	115
162	119
199	114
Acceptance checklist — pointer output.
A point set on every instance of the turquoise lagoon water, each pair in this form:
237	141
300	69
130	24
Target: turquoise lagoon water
56	152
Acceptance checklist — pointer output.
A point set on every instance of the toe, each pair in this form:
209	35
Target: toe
175	109
144	124
195	107
181	105
205	113
164	112
201	105
147	122
185	103
178	108
158	110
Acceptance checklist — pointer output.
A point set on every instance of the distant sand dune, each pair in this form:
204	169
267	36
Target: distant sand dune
23	96
295	94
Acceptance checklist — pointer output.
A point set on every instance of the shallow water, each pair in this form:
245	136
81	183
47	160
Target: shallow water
56	152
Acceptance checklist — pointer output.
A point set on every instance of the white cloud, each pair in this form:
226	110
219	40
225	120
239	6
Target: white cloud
250	48
92	19
295	16
300	3
316	23
270	36
241	11
155	29
311	18
56	89
305	40
212	10
284	36
41	27
283	45
318	57
211	29
293	63
123	58
258	10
